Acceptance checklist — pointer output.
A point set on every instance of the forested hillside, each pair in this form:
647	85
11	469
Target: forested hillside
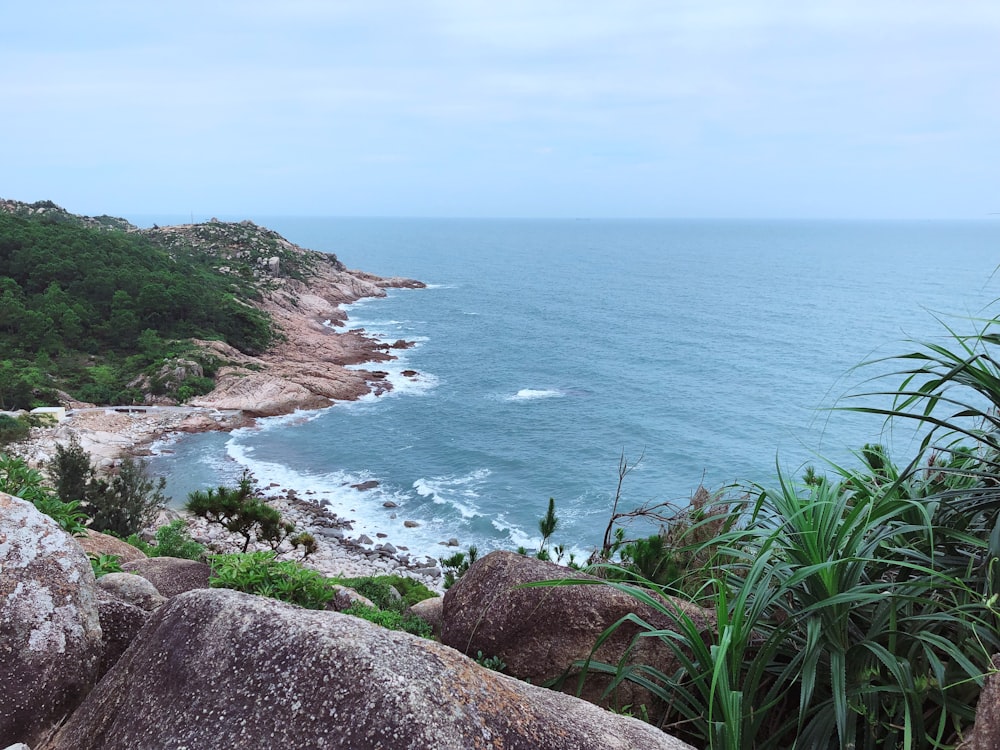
86	305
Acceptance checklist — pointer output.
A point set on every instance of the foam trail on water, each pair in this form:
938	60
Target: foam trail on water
532	394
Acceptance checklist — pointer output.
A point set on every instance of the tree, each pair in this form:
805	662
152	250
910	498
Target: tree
241	512
547	524
127	502
71	471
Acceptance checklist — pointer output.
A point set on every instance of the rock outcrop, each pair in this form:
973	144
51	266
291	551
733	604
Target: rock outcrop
540	632
220	669
50	633
301	291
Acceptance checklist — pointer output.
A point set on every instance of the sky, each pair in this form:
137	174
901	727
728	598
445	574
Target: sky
853	109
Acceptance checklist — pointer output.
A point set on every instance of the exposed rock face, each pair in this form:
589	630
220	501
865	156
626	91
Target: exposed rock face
540	632
301	290
985	734
96	543
50	634
221	669
171	575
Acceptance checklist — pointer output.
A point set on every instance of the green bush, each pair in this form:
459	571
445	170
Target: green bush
260	573
104	564
456	565
855	610
172	540
391	619
13	429
20	480
71	471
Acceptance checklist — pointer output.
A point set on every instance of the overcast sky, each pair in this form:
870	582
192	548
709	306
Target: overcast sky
535	108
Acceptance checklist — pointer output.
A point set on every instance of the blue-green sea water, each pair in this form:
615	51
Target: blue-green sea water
546	349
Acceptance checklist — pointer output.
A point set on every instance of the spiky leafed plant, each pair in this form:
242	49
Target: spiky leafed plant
858	610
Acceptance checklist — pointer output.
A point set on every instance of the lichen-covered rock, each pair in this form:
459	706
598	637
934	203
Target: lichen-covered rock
218	669
132	589
171	575
540	632
50	634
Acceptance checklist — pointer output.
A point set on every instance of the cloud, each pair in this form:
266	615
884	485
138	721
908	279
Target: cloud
426	92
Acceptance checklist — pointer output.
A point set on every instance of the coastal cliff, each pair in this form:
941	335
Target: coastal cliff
231	313
301	291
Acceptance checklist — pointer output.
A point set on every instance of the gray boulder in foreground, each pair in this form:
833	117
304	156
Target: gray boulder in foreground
220	669
50	634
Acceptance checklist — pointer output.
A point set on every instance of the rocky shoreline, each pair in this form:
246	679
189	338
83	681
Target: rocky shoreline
313	364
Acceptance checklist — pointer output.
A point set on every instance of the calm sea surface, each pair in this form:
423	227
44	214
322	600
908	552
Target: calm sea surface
545	349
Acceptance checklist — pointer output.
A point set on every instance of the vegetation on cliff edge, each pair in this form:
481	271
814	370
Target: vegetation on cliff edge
87	310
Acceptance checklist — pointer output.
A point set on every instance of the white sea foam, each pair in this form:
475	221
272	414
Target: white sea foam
458	492
533	394
365	509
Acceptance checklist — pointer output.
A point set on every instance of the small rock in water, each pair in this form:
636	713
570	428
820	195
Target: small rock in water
392	516
369	485
389	504
453	542
363	539
410	524
381	535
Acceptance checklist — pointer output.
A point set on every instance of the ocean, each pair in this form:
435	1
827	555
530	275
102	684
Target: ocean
705	352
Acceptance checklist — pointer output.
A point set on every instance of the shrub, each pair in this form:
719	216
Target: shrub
260	573
455	566
127	502
20	480
391	619
71	471
854	610
172	540
104	564
490	662
13	429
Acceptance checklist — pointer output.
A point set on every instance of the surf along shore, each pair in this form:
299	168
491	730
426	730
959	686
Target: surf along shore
316	361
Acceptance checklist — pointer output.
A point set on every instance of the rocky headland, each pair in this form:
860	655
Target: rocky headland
314	361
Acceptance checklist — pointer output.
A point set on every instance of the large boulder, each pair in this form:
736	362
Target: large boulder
539	633
50	633
218	669
430	611
171	575
96	543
